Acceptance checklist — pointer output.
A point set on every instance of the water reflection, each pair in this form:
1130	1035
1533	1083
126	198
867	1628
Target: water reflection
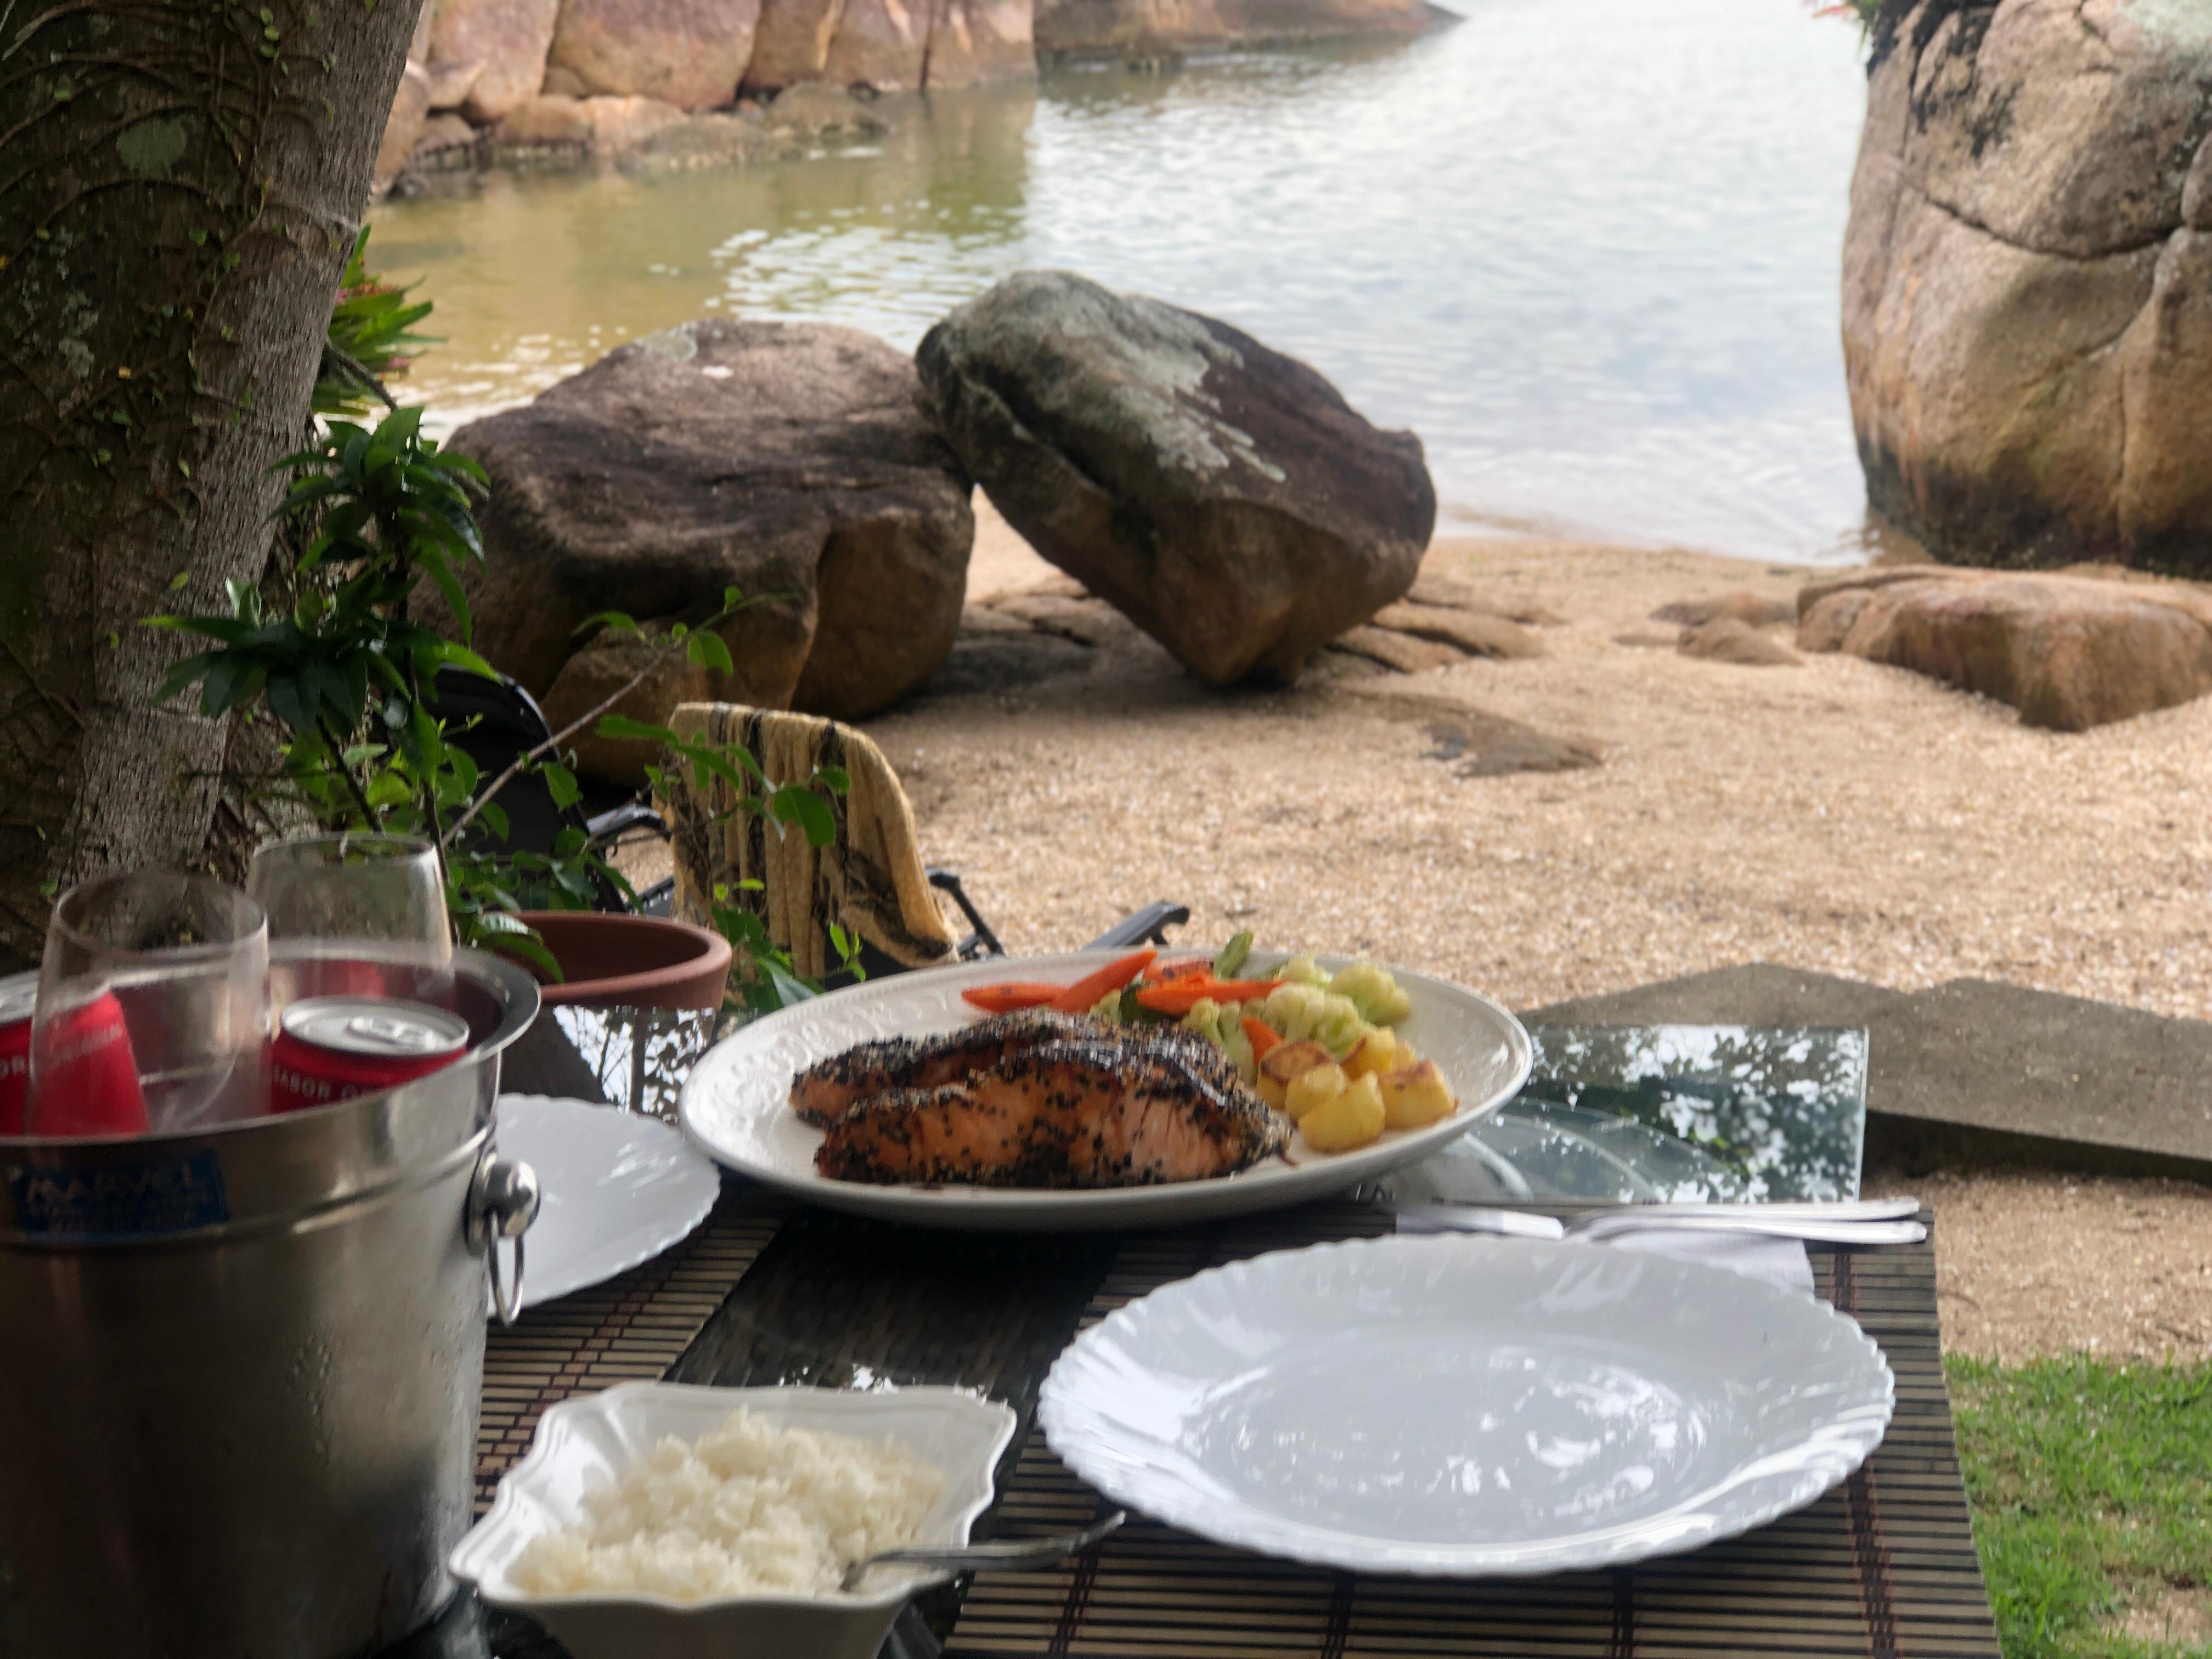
1589	249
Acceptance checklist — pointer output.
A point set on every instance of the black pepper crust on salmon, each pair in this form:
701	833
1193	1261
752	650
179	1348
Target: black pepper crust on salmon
823	1090
1110	1109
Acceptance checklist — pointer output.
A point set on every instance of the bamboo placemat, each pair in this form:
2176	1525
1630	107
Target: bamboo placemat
632	1328
1883	1568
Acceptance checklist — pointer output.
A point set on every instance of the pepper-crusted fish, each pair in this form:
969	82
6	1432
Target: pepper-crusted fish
823	1090
1107	1110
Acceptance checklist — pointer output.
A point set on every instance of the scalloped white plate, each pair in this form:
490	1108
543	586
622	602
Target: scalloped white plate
618	1189
593	1438
1467	1407
737	1107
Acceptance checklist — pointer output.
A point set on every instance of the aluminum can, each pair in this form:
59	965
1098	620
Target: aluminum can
19	994
88	1081
332	1048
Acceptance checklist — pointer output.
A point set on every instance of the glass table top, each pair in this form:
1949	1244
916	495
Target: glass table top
1611	1114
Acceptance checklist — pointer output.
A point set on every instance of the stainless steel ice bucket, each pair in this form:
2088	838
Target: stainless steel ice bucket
239	1370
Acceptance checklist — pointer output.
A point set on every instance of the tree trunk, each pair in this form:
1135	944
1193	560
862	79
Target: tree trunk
180	182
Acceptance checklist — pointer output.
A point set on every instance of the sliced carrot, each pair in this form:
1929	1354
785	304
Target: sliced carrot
1082	996
1011	997
1180	996
1261	1035
1165	972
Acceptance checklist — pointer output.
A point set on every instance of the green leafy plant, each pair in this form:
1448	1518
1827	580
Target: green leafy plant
351	676
369	339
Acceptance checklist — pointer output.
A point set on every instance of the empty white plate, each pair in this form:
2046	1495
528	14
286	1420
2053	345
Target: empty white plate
1467	1407
618	1189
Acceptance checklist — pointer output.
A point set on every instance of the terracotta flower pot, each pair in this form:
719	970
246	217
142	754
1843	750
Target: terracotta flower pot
632	961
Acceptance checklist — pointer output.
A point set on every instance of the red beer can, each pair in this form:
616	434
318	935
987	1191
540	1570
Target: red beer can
18	994
87	1078
332	1048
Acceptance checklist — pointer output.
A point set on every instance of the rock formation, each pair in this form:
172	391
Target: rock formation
2069	650
788	460
1094	28
689	53
1224	496
2028	291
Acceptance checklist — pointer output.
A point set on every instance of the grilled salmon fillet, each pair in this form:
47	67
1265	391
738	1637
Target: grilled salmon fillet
1106	1110
823	1092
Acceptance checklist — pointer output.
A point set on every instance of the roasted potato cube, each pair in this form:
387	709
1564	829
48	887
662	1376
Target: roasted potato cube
1352	1117
1416	1095
1286	1060
1312	1087
1270	1090
1376	1052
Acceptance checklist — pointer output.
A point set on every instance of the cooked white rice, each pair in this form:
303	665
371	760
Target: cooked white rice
749	1508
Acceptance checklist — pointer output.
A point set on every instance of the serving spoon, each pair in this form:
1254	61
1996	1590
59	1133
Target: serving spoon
1009	1557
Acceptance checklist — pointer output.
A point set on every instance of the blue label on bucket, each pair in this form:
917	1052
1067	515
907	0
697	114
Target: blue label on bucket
111	1203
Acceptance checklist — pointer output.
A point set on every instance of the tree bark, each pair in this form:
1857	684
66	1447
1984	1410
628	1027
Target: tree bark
180	182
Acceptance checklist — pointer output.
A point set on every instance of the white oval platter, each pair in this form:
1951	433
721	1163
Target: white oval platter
736	1104
1467	1407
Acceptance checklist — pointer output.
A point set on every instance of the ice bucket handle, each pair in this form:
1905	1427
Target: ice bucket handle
503	1198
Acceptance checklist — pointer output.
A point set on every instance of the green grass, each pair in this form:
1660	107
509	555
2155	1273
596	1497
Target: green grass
2091	1490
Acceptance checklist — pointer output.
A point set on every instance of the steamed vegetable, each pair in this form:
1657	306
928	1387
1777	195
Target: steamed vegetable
1373	992
1179	996
1010	997
1082	996
1233	954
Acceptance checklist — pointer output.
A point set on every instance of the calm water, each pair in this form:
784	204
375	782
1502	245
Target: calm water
1588	249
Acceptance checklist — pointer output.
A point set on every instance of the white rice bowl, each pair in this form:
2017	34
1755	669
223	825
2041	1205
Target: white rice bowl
748	1509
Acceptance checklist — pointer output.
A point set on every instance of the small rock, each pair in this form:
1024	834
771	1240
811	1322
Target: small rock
686	53
1452	594
1223	497
815	111
1740	606
451	85
2069	653
544	128
447	142
1402	652
989	619
879	44
622	124
700	141
1473	632
1726	639
507	38
403	128
1087	621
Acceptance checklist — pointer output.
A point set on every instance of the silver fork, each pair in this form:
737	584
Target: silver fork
1869	1221
989	1558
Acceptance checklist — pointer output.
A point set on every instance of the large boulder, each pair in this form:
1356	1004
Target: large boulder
791	42
689	53
2069	650
2027	285
1081	28
882	44
972	40
1224	496
508	38
403	128
788	460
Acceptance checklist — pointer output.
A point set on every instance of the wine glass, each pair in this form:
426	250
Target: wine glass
355	915
153	1008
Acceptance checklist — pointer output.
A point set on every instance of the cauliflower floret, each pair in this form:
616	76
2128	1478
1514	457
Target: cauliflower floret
1302	970
1107	1008
1380	1000
1300	1010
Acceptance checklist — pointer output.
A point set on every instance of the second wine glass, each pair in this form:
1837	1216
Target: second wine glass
355	915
